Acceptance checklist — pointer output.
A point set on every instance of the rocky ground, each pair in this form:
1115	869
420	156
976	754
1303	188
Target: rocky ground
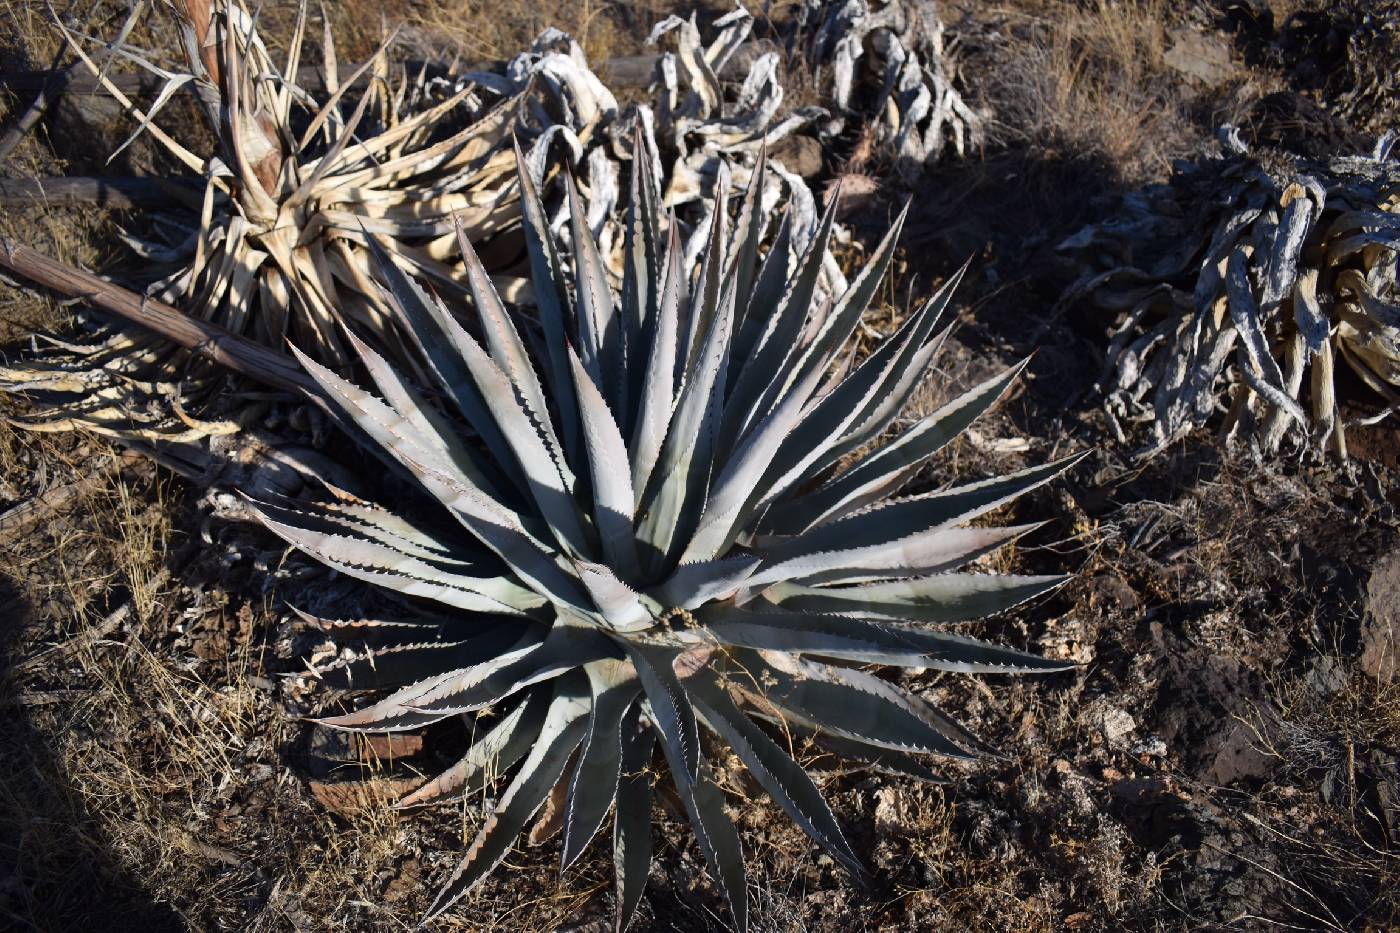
1223	757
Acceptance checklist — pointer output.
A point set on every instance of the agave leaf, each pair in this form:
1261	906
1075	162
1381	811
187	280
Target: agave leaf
671	711
189	159
720	843
943	598
748	237
396	713
563	729
854	639
366	560
386	527
360	519
550	480
903	517
779	346
421	319
893	465
613	499
621	606
849	704
818	441
522	552
883	760
895	376
841	322
641	280
767	293
599	325
568	645
371	627
551	299
430	429
490	755
737	491
682	473
927	552
693	585
783	779
398	665
507	349
658	393
595	780
1263	373
305	190
632	823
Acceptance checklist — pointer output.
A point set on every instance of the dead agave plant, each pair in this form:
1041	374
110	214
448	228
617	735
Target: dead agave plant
1241	284
674	517
885	65
277	249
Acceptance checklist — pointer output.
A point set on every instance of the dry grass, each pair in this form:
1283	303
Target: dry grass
485	30
1087	80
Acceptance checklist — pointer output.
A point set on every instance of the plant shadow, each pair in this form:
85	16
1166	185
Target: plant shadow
57	869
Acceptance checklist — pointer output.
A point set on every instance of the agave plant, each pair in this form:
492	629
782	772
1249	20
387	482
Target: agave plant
274	247
1285	264
673	520
914	109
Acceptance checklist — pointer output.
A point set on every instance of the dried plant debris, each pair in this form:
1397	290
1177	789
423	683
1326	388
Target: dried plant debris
276	246
1241	283
1346	52
701	136
885	66
673	519
273	247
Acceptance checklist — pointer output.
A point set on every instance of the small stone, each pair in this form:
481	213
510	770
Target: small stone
1117	723
1150	747
1326	676
1379	641
1199	56
889	815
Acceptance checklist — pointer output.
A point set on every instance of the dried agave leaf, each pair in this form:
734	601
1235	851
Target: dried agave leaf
1288	262
900	43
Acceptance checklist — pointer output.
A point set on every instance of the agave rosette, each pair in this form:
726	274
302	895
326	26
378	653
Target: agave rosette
1281	265
671	523
272	244
914	110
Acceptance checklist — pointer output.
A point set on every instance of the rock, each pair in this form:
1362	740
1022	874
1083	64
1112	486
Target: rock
1116	724
1378	627
801	155
1326	676
889	810
347	798
1237	757
1201	57
390	745
1150	747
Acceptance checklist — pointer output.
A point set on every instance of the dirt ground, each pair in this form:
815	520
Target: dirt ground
1225	756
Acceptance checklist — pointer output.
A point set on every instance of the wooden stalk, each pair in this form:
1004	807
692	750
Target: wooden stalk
208	340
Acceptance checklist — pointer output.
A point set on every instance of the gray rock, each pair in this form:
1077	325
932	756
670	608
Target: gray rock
1378	627
1201	57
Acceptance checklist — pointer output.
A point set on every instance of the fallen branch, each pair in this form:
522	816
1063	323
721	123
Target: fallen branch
114	191
49	92
208	340
89	637
17	520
